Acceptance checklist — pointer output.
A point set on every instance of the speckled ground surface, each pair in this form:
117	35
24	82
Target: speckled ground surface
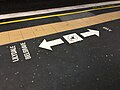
91	64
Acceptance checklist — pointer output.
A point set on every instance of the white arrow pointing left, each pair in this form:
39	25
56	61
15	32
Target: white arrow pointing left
90	33
49	44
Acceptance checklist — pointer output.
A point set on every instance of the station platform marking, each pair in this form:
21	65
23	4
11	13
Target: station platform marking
47	29
46	11
57	15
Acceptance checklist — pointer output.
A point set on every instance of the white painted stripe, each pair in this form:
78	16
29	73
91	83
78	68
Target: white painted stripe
37	12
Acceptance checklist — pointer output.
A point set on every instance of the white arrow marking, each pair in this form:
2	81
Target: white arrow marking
49	44
90	33
108	29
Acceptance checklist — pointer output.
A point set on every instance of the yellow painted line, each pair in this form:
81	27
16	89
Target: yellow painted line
47	29
49	16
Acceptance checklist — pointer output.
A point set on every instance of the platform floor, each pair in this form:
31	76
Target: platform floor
73	50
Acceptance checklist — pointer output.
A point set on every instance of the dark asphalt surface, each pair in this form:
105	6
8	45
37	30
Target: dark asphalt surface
92	64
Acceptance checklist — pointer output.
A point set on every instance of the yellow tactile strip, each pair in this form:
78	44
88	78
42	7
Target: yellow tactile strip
42	30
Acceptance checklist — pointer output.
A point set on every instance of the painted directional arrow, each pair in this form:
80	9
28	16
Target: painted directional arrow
90	33
49	44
